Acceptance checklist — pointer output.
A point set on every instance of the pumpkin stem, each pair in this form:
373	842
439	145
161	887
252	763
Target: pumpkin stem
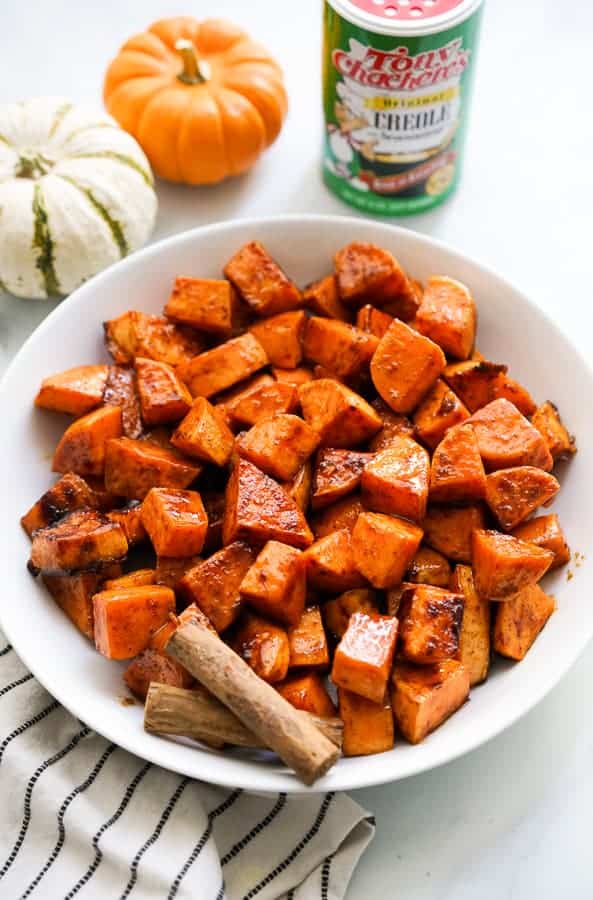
194	71
32	165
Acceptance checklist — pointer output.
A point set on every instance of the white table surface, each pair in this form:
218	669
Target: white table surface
513	819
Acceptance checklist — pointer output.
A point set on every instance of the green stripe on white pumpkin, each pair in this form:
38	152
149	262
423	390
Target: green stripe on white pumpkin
43	244
61	113
117	157
90	127
115	227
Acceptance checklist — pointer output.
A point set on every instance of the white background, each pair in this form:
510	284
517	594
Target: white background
513	820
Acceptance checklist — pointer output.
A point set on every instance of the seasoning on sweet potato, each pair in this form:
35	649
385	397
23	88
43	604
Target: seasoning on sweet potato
440	410
373	321
307	692
362	661
132	579
424	696
208	304
228	401
429	567
337	473
307	640
275	585
126	618
74	596
447	316
75	391
473	381
80	540
270	400
368	726
122	390
506	387
337	611
430	623
405	366
203	433
299	487
82	446
261	282
383	547
448	529
175	521
547	420
503	565
222	367
474	638
545	531
278	446
132	468
130	519
170	569
263	646
513	494
519	621
394	425
137	333
101	498
506	438
340	348
258	509
281	337
163	397
340	417
342	514
322	298
70	492
368	274
457	472
395	480
152	666
296	377
214	584
330	563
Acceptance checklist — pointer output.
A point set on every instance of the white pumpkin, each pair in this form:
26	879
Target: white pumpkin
76	194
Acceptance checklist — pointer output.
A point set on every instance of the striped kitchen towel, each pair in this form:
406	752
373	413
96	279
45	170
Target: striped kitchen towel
81	817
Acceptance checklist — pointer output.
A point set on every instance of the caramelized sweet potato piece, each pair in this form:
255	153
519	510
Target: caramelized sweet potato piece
373	321
228	402
340	417
330	563
513	494
519	621
132	468
503	565
447	316
75	391
218	369
261	282
309	693
132	579
295	377
383	548
163	397
473	381
101	498
126	618
395	480
368	726
82	446
214	505
281	337
429	567
547	420
440	410
457	473
130	519
258	509
299	487
278	446
474	638
80	540
264	647
337	611
338	347
342	514
136	333
171	569
405	366
545	531
506	438
430	623
269	400
448	529
394	595
152	666
208	304
511	390
203	433
214	584
362	661
175	521
424	696
122	390
337	473
307	640
394	425
322	298
275	585
70	492
368	274
74	596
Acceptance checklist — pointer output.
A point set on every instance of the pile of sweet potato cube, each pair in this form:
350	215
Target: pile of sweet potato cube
334	480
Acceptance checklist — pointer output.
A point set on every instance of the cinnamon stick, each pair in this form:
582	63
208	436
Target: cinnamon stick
298	743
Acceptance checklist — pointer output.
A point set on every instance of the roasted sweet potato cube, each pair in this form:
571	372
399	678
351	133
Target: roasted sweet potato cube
339	347
281	337
228	402
337	611
429	567
394	595
264	647
126	618
545	531
519	621
299	487
340	417
474	638
383	548
70	492
278	446
405	366
440	410
430	623
218	369
330	564
394	425
214	584
175	521
296	377
511	390
422	697
74	596
309	693
170	569
191	613
373	321
336	474
132	579
261	282
322	298
258	509
208	304
448	529
362	661
270	400
130	519
342	514
152	666
101	498
80	540
307	640
506	438
275	585
513	494
136	333
447	316
122	390
132	468
82	446
547	420
395	480
368	726
368	274
473	381
503	565
75	391
457	472
203	433
163	397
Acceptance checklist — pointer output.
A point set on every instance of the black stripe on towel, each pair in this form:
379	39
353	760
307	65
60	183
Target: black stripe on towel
6	650
61	813
287	861
257	829
226	804
220	895
26	725
14	684
29	791
325	877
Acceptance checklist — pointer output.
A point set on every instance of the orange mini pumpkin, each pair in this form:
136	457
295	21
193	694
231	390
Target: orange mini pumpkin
202	99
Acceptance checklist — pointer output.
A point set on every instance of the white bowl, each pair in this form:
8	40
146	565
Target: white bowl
511	330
